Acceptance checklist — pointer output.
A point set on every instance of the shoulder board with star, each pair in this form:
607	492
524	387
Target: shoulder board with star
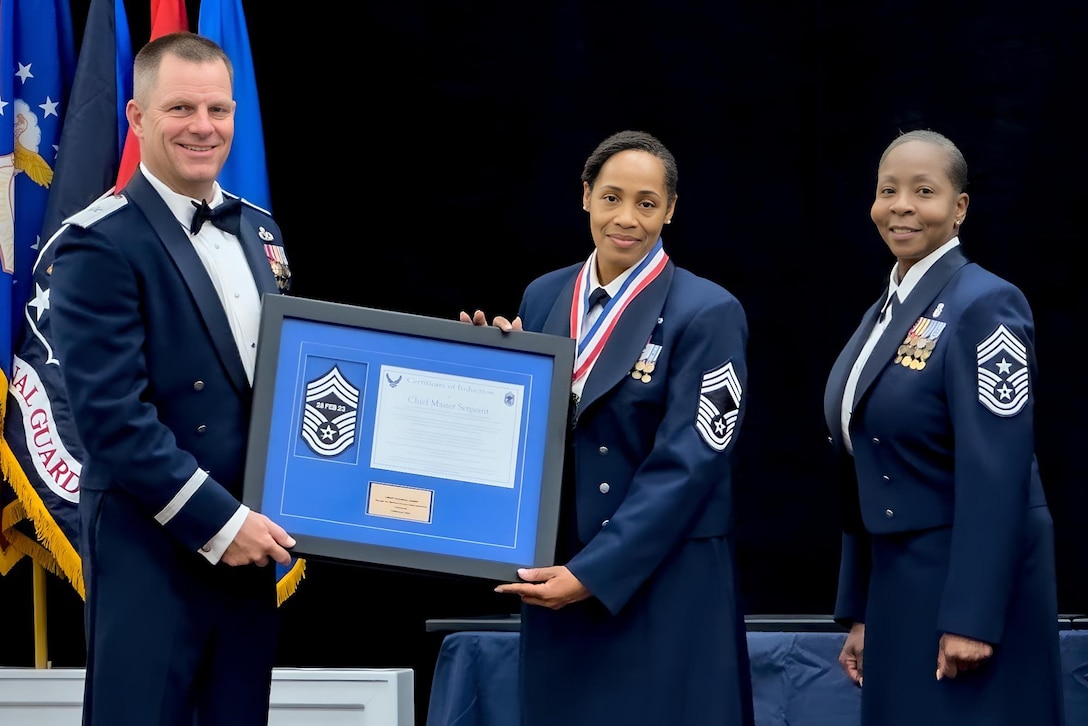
248	203
97	211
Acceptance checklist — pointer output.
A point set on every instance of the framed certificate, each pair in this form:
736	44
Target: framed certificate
408	441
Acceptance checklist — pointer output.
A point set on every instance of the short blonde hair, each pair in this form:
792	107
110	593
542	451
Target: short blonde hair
185	45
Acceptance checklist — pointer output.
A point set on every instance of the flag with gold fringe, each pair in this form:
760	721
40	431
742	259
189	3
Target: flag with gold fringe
41	453
37	63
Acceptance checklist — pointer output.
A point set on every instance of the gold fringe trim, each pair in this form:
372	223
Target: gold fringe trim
12	515
26	547
53	551
9	556
287	584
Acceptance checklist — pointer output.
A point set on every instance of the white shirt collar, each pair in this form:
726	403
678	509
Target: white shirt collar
918	270
180	205
613	287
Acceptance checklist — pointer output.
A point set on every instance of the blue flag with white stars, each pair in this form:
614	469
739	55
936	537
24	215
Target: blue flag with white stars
37	65
38	62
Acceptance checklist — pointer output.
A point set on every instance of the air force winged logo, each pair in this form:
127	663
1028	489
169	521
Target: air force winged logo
1003	373
328	421
26	159
719	406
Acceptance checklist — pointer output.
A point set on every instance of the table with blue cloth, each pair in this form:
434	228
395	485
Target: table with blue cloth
796	679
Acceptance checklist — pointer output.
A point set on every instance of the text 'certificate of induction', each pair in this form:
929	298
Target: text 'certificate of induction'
393	439
466	429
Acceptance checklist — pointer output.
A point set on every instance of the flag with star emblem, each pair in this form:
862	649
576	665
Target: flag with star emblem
41	453
94	122
245	172
42	456
37	63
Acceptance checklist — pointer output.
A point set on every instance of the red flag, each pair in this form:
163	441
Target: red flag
167	16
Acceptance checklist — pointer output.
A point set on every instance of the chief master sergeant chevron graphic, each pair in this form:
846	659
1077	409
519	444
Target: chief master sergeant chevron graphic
719	406
1003	373
329	418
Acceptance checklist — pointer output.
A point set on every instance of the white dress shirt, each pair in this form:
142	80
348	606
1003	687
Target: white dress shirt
901	290
229	271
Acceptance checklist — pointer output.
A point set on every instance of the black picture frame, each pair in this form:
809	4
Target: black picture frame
457	473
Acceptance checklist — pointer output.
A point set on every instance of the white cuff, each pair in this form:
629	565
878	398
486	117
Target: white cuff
217	545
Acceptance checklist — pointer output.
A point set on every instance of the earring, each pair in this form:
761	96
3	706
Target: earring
668	221
585	208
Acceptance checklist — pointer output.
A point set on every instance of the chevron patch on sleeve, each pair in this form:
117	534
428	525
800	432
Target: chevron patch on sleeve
719	406
1003	373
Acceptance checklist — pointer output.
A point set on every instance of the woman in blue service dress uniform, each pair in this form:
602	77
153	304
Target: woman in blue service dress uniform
639	623
947	575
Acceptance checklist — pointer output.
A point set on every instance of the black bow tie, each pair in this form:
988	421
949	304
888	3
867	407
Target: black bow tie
600	297
226	216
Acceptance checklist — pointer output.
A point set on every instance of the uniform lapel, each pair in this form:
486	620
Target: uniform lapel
904	317
558	321
628	338
840	372
181	250
253	241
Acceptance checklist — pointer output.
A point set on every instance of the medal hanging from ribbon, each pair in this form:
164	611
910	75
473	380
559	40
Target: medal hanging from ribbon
647	363
591	342
919	343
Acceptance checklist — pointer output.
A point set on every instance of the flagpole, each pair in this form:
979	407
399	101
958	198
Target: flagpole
41	641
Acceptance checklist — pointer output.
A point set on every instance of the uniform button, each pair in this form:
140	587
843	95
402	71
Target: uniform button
198	385
887	478
201	428
889	513
876	440
604	523
603	450
604	487
829	440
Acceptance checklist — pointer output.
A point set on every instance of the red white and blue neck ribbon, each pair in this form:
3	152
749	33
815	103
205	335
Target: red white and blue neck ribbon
592	341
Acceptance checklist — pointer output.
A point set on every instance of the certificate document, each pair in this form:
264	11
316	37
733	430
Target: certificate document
466	429
393	439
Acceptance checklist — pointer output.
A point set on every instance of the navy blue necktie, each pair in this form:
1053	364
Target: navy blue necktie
226	216
889	307
598	297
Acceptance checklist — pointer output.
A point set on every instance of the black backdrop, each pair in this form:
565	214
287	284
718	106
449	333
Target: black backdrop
425	157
